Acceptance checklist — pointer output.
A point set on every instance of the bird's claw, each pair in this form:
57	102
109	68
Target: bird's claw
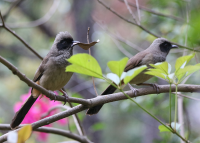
156	87
51	92
66	98
134	90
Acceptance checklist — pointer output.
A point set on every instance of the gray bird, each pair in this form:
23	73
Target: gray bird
51	73
156	52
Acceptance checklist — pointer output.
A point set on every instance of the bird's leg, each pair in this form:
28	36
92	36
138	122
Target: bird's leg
51	92
155	86
134	90
65	95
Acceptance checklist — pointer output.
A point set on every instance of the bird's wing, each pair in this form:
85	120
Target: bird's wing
135	61
41	69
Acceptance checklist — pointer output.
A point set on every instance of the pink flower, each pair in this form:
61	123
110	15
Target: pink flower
39	108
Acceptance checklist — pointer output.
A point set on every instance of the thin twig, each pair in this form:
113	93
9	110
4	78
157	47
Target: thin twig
78	125
126	53
154	12
78	122
12	6
88	39
19	38
40	21
142	27
196	99
180	98
118	37
3	23
48	130
138	10
131	12
90	54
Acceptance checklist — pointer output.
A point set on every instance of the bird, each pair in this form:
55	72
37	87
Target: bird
51	73
156	52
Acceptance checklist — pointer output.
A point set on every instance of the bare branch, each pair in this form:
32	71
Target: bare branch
196	99
12	6
3	23
58	116
138	10
154	12
77	123
56	131
118	37
90	54
142	27
19	38
88	39
131	12
126	53
38	87
113	97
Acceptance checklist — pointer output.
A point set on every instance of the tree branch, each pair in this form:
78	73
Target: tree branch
75	117
56	131
154	12
115	97
29	82
142	27
131	12
58	116
96	101
110	98
18	37
12	6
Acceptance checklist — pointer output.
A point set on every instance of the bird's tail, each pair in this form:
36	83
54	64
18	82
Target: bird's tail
19	116
94	110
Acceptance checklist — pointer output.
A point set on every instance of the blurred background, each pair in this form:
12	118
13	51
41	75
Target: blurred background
38	22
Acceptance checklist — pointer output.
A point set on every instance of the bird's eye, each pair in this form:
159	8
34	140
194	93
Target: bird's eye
63	42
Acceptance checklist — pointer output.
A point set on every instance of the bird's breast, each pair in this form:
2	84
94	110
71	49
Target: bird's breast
55	77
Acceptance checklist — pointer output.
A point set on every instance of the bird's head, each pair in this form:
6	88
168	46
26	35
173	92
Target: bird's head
64	41
163	45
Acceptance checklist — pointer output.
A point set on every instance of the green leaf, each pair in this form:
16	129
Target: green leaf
182	61
84	64
157	72
162	128
164	66
186	71
133	73
98	126
117	67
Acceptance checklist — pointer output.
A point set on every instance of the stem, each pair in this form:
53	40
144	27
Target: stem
146	110
171	129
170	96
176	100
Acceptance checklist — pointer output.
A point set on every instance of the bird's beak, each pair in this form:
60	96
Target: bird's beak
75	43
174	46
